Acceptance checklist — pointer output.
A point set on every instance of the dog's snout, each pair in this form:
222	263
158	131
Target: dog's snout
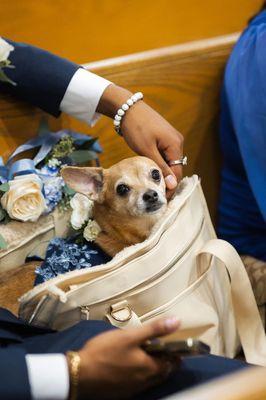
151	196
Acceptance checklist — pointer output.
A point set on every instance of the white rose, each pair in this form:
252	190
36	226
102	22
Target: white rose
82	210
5	49
24	200
91	231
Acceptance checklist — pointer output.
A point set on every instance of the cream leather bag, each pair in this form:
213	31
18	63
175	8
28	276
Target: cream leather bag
181	270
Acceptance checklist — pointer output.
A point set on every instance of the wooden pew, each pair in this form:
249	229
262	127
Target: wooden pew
249	384
182	82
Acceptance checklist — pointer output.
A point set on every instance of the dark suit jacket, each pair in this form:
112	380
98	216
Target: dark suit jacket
14	383
42	79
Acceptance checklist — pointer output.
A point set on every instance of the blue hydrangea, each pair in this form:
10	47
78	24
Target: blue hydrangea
52	190
49	170
2	180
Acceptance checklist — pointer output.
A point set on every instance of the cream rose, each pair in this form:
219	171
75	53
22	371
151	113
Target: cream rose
82	210
5	49
91	231
24	200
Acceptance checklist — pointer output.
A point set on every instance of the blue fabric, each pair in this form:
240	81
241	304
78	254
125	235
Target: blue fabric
64	255
242	208
41	77
14	382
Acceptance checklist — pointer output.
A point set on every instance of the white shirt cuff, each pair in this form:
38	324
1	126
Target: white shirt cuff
83	95
48	376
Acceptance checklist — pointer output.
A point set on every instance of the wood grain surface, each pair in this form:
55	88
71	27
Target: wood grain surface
14	283
183	83
248	384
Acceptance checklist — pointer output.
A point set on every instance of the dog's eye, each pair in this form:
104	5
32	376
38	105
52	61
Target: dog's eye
122	189
155	174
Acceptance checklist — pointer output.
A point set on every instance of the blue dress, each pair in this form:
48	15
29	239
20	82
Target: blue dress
242	207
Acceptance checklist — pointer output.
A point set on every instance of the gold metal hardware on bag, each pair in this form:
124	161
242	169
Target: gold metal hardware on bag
122	306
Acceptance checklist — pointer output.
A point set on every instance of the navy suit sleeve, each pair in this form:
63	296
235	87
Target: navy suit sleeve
41	77
14	381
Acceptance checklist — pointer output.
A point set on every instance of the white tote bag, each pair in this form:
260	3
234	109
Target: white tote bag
181	270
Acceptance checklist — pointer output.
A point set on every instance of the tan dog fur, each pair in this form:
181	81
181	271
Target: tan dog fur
123	220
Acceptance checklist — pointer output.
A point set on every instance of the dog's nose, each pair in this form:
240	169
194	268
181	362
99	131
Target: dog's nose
150	197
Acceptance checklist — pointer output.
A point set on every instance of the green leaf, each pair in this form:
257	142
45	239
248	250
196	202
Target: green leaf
2	214
68	190
87	145
4	217
4	78
3	244
43	127
82	156
7	219
4	187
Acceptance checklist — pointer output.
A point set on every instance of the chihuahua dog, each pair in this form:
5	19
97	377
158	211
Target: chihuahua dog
129	198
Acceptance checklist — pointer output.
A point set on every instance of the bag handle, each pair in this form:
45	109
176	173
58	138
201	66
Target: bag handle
248	321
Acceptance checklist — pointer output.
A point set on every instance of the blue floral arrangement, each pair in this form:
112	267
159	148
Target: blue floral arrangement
64	255
33	187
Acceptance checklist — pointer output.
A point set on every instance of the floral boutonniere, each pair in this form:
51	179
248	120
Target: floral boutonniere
82	218
5	50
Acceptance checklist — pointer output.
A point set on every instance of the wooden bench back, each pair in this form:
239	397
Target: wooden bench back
247	384
181	82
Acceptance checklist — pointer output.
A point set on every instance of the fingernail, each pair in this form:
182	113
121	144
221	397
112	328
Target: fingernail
171	323
170	181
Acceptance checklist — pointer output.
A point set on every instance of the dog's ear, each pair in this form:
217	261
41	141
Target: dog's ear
85	180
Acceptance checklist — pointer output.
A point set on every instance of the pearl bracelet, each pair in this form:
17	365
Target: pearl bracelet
121	112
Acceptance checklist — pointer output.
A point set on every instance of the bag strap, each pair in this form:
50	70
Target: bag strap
248	321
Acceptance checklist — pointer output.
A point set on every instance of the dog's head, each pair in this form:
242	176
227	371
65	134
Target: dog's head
134	186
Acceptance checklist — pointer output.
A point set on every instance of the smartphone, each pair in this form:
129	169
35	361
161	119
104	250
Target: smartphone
180	348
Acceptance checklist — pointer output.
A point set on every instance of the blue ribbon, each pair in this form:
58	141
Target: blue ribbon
45	142
21	167
3	171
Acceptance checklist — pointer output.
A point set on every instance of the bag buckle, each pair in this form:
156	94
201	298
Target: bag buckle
121	312
85	312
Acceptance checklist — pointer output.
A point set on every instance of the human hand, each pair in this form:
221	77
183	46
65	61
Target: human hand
114	366
147	133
